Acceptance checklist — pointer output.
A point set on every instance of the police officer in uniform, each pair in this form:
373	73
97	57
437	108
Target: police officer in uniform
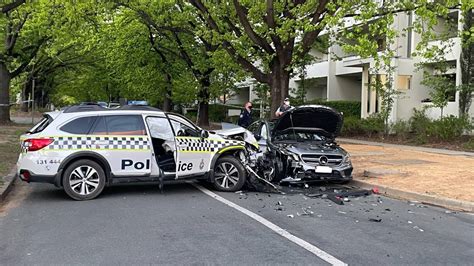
245	118
283	108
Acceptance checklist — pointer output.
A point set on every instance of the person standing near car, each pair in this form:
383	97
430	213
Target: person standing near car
245	118
284	107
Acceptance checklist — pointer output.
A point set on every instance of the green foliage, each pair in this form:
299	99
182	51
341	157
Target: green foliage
443	129
419	125
373	125
352	126
449	128
218	113
469	145
400	128
348	108
442	89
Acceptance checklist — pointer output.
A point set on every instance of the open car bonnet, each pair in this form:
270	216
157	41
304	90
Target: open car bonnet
315	118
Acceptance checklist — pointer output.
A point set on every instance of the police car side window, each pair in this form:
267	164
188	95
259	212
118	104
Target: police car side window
182	129
79	126
160	128
100	128
125	125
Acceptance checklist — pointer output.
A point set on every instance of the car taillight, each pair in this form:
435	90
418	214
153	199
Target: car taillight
36	144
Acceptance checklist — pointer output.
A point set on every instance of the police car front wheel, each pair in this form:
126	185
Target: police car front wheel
83	180
229	174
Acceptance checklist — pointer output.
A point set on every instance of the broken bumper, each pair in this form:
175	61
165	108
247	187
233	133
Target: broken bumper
304	172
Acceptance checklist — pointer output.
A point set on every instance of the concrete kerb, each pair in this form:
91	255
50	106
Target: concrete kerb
9	181
452	204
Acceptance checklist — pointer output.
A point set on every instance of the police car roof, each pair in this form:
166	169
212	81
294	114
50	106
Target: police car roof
91	108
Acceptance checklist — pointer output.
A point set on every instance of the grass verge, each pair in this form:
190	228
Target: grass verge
9	146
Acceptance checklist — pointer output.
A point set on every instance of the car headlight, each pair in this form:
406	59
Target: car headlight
347	159
295	157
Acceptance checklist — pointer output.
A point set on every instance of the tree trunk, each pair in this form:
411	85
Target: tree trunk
203	105
168	102
280	79
4	94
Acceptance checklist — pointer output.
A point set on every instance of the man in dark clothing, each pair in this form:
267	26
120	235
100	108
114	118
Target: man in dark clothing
283	108
245	118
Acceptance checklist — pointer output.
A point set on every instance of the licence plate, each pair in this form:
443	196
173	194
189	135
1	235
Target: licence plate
323	169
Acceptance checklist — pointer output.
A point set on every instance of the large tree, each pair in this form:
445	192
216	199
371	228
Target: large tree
18	48
177	24
270	38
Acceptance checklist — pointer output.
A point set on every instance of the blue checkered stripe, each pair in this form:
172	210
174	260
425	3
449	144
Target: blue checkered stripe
205	145
100	142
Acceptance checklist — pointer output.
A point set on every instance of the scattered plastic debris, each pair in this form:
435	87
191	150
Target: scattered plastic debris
419	229
377	220
375	190
291	215
410	222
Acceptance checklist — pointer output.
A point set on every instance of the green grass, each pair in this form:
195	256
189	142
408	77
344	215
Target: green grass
9	146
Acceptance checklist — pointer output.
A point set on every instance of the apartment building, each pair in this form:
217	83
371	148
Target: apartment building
336	75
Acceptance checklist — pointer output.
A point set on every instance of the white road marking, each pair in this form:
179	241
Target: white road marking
275	228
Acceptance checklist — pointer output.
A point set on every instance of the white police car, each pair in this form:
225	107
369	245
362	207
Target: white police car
85	148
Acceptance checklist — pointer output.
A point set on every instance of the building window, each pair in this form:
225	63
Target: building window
404	82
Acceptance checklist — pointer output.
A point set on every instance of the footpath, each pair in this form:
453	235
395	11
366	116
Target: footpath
432	176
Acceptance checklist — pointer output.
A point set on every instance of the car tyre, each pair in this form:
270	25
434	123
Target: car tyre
84	180
229	174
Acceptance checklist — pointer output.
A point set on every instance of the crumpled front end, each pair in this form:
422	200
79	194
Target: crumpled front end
320	163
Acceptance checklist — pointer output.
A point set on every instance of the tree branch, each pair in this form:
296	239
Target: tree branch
9	7
242	13
256	73
22	67
310	37
13	34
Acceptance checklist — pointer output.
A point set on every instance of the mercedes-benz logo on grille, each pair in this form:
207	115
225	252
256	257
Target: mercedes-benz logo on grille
323	160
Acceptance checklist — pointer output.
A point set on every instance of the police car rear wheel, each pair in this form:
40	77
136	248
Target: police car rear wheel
84	180
229	174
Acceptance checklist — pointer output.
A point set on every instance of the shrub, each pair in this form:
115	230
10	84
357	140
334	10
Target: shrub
449	127
348	108
420	125
373	124
400	128
352	126
469	145
218	113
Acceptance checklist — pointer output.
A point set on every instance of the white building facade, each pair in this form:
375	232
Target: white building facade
336	75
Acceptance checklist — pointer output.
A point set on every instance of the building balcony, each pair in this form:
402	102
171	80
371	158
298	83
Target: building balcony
317	70
452	49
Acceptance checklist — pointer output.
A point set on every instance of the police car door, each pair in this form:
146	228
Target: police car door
193	153
123	140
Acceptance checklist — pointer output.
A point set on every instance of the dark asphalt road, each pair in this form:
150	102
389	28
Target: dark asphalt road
138	225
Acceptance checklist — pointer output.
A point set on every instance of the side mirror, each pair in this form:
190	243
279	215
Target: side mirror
257	137
204	134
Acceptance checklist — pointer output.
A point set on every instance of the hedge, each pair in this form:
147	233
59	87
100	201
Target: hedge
348	108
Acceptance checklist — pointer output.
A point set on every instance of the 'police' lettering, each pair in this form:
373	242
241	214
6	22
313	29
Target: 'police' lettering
138	165
185	166
126	163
